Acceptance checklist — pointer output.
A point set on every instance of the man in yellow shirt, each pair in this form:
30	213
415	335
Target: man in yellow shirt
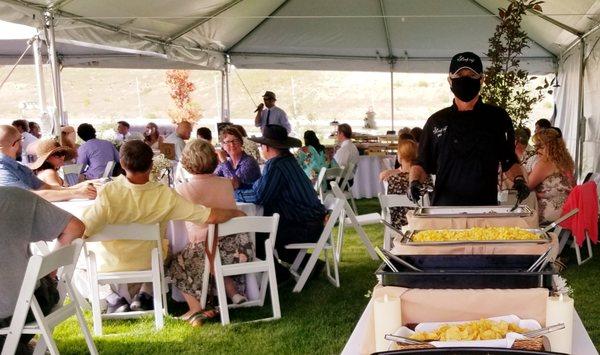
134	199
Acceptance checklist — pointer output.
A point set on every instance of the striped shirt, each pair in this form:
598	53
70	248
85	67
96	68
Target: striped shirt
285	189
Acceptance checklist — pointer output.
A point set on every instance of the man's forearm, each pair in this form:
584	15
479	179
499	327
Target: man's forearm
257	118
417	173
219	215
516	170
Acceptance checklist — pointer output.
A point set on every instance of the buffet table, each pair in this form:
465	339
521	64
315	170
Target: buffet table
366	178
362	340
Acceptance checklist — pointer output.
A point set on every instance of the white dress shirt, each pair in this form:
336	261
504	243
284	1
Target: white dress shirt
348	153
275	116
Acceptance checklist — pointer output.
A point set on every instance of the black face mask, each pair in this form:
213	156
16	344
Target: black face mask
465	88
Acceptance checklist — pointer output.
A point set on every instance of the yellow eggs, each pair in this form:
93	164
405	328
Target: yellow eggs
474	234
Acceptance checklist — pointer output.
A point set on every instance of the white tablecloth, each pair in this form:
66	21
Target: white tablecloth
582	344
366	178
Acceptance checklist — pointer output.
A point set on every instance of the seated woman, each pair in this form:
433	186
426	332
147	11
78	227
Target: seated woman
397	179
50	158
552	175
311	157
187	266
151	136
69	137
239	166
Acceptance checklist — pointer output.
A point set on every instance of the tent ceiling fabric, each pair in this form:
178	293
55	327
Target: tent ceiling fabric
307	34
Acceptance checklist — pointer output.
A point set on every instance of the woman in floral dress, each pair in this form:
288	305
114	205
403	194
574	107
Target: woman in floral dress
552	176
397	179
187	267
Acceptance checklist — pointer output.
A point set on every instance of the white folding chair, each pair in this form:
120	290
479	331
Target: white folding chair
108	170
266	267
134	231
38	267
387	202
353	221
71	173
343	184
325	243
327	174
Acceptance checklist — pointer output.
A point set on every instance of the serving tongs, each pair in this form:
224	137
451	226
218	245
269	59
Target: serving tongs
541	262
385	259
559	220
401	261
549	329
405	340
392	227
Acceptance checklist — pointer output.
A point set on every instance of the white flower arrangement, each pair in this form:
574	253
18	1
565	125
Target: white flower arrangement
561	286
160	168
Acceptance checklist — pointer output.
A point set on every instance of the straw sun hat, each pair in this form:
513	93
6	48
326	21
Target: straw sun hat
45	148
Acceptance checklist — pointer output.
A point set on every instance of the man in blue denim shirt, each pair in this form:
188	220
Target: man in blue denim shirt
12	173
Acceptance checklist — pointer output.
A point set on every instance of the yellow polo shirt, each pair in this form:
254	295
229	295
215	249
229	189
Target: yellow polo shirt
121	202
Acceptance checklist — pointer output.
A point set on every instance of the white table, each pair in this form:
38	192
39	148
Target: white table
366	178
75	207
582	344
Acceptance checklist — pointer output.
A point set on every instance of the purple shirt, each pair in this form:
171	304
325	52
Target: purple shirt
96	153
247	171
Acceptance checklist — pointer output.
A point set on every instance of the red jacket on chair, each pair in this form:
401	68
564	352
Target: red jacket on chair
584	197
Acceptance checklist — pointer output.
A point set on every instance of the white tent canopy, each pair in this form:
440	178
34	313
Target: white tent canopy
373	35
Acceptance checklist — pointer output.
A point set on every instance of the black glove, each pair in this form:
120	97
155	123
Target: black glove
414	191
521	187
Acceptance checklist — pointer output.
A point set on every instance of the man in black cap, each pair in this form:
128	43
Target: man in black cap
284	188
464	144
272	114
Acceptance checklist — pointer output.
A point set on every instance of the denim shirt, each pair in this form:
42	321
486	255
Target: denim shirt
12	173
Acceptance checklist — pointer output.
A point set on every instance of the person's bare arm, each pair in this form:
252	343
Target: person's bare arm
258	113
72	231
516	170
219	215
58	193
417	173
50	177
539	172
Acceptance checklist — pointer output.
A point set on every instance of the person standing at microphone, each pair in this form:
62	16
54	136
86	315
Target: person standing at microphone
268	113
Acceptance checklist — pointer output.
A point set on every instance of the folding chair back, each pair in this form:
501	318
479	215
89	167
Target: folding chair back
324	244
266	267
327	174
134	231
387	202
353	221
108	170
71	173
38	267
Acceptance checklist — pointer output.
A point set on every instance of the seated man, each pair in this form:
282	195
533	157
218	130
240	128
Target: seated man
347	153
14	174
284	188
26	218
182	133
94	153
134	199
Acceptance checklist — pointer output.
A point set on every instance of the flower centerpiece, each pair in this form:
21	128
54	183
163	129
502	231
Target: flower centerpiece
161	167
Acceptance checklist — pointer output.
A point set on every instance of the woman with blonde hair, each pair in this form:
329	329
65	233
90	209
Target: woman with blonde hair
397	179
68	138
187	266
552	176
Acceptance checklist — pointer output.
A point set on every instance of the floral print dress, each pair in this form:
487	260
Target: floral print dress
311	161
552	194
398	185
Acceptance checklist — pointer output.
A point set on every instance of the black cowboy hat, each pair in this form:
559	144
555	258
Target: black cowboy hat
277	137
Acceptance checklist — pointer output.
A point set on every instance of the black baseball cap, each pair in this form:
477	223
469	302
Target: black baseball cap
468	60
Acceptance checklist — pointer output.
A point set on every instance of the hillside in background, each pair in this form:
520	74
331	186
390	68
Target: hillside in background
312	99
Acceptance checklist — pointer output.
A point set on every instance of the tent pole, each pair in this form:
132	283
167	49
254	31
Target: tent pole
392	91
225	91
39	74
580	118
227	67
58	104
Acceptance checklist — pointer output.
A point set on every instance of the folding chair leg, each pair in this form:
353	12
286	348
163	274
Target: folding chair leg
353	202
40	347
306	272
95	295
82	323
223	308
340	238
272	280
44	330
205	280
264	282
361	232
578	250
157	291
298	261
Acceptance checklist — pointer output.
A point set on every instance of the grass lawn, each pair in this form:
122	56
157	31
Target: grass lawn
318	320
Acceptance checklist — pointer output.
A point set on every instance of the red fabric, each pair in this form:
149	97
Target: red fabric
584	197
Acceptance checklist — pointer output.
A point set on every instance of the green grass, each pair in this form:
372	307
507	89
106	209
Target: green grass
318	320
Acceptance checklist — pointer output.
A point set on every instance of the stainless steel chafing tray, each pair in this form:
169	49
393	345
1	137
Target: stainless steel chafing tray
473	211
544	238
